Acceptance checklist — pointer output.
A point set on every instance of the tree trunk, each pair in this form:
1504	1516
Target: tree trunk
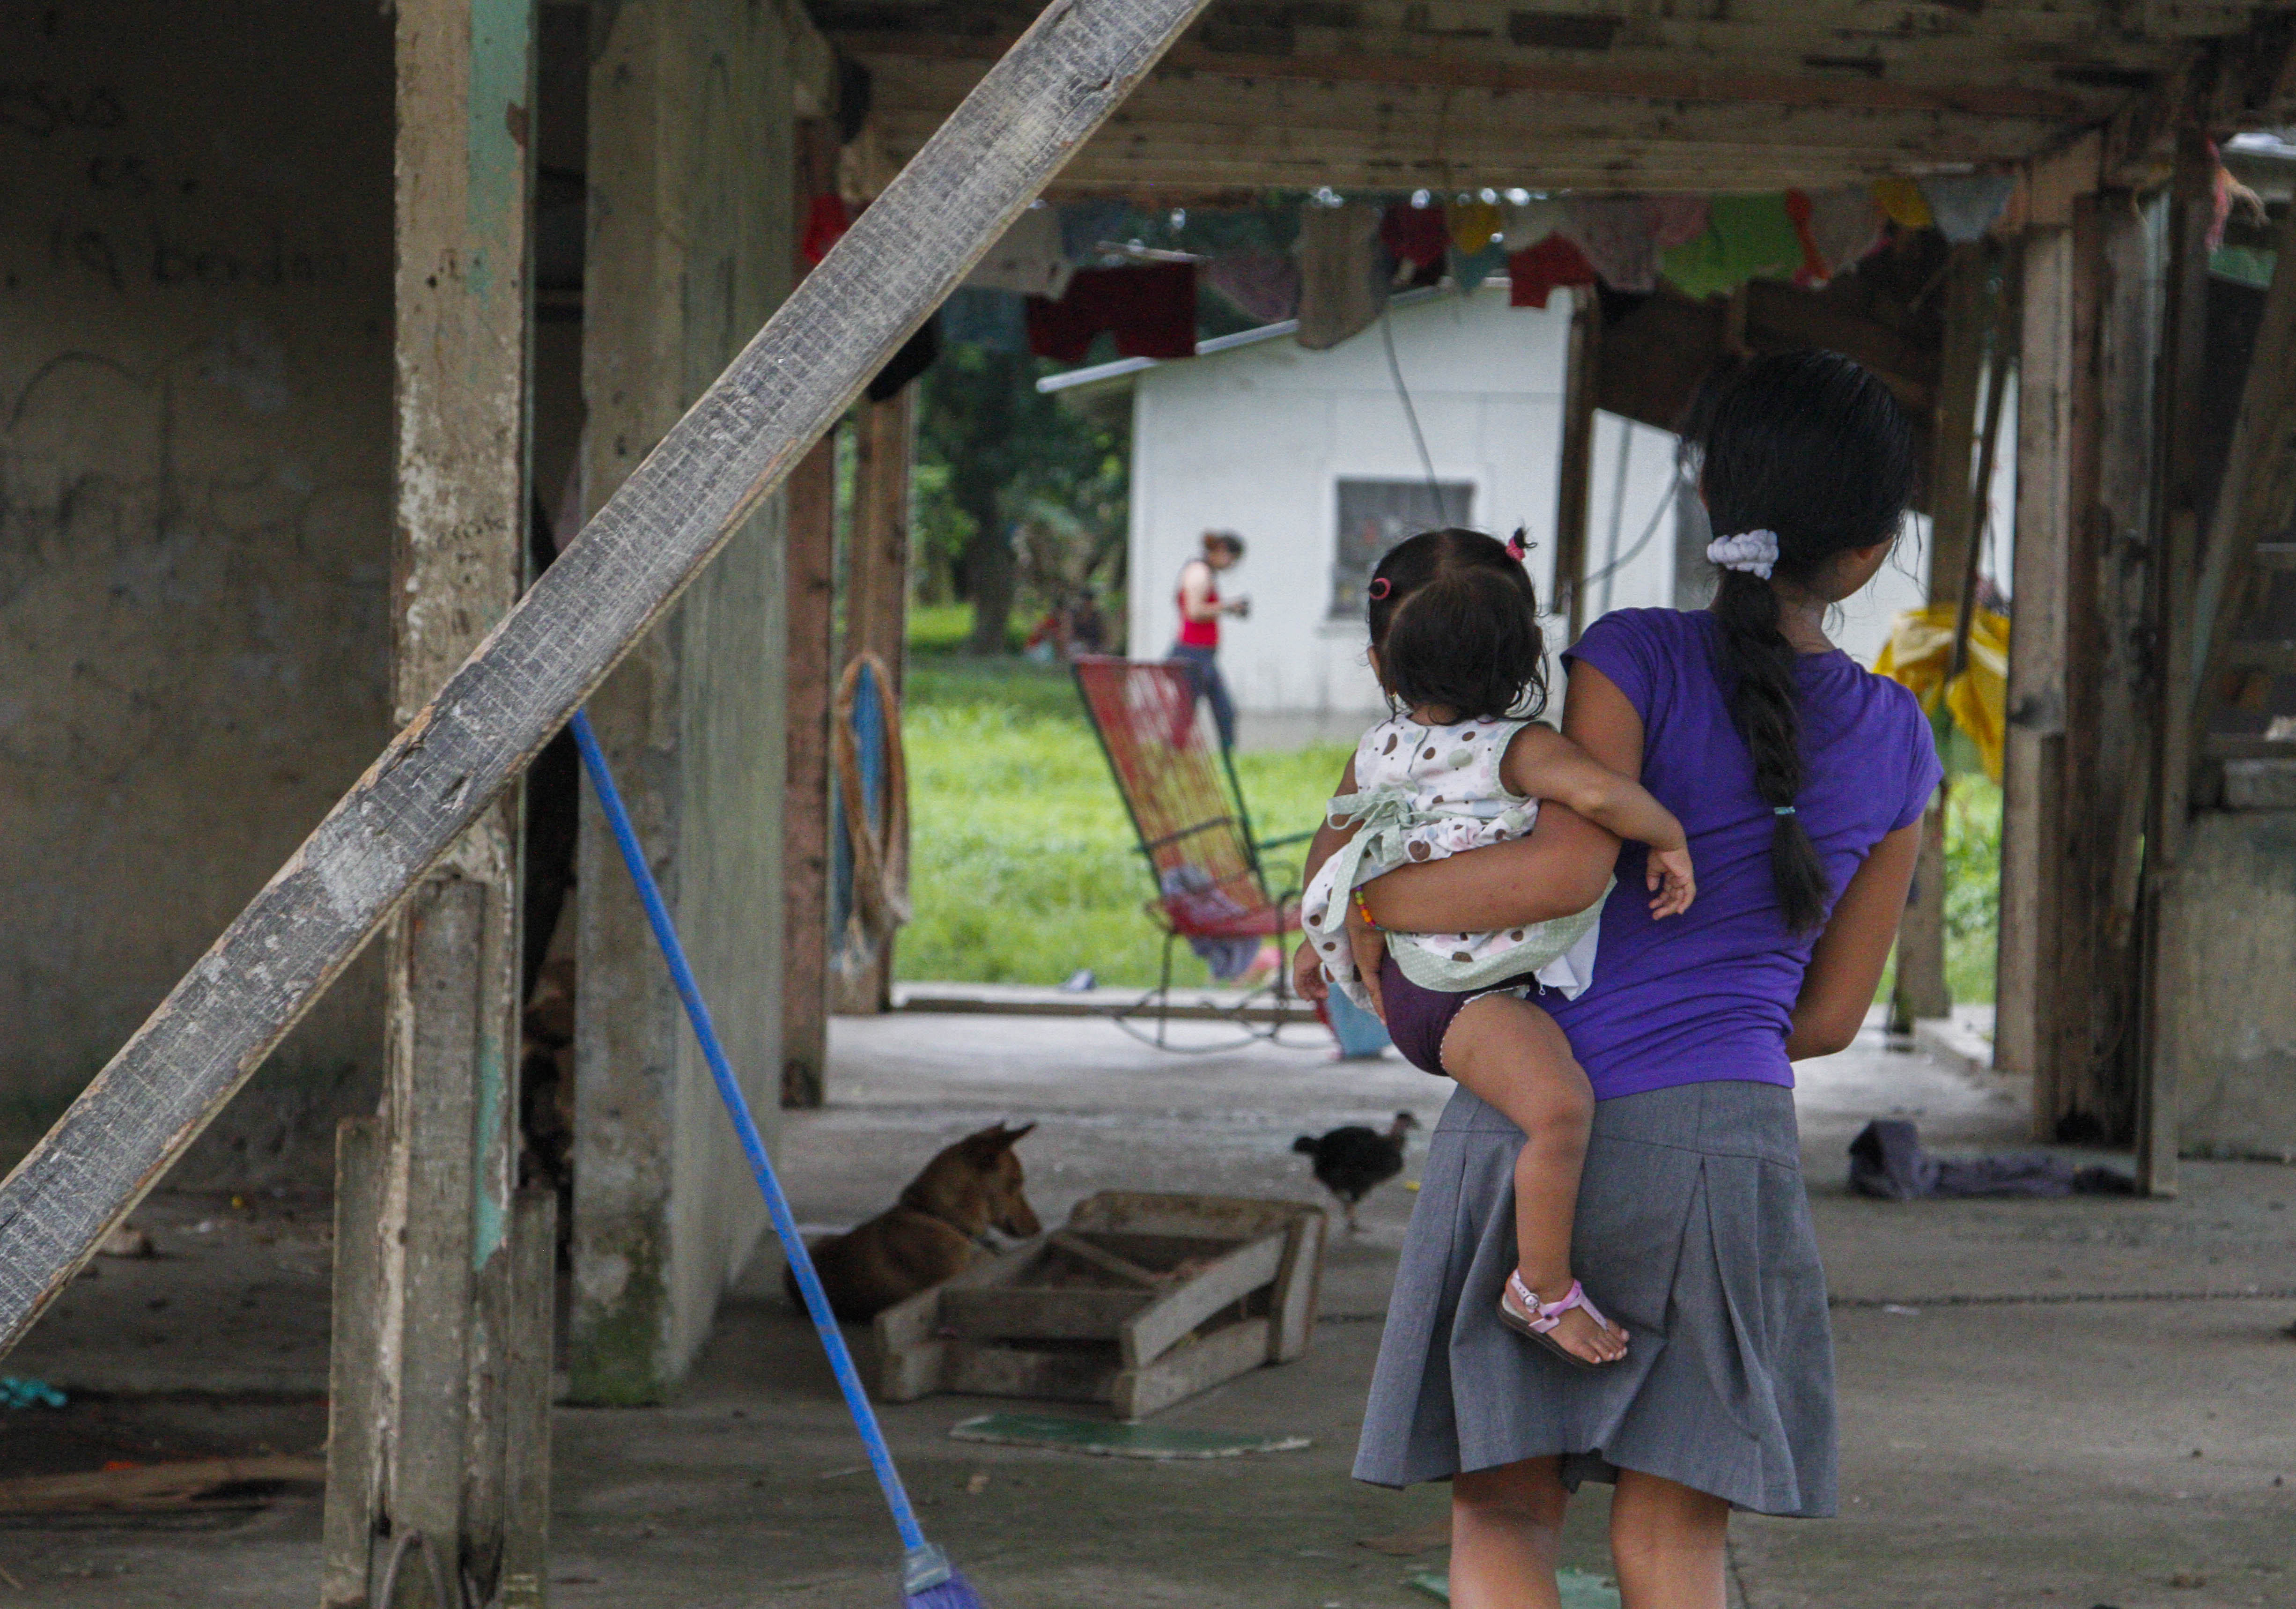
991	577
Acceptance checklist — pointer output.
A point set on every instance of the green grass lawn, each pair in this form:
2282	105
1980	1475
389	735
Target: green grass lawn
1023	866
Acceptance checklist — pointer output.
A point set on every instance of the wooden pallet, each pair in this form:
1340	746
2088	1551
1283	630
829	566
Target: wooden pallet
1141	1301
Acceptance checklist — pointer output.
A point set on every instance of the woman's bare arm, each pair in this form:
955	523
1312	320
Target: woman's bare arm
1561	868
1196	594
1845	968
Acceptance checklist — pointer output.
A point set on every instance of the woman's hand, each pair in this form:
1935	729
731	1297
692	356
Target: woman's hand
1308	979
1672	884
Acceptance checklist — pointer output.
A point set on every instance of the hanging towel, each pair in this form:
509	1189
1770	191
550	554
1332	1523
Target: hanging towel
1967	204
1846	223
1151	312
997	320
1469	273
1530	222
1343	277
825	223
1084	225
1616	233
1676	220
1026	259
1261	285
1416	235
1919	653
1902	201
1549	266
1747	236
1474	225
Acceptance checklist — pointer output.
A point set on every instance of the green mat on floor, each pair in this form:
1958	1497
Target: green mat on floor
1108	1439
1580	1589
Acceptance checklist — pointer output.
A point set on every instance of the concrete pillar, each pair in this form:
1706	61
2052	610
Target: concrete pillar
440	1315
689	241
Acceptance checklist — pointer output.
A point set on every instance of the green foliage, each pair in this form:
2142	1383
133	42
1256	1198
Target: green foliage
1023	865
1973	886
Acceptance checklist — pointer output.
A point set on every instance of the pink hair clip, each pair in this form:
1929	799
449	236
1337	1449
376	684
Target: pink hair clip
1518	549
1378	590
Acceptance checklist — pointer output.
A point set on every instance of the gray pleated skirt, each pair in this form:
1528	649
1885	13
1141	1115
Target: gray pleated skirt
1693	1233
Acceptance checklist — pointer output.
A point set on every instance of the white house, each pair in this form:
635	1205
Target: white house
1312	457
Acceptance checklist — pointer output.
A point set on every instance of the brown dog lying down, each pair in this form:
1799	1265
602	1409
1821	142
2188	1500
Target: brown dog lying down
937	1229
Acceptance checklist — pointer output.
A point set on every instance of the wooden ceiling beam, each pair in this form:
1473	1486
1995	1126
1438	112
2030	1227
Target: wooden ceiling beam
1631	83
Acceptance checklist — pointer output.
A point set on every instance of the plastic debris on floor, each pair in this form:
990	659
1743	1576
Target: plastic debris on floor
1108	1439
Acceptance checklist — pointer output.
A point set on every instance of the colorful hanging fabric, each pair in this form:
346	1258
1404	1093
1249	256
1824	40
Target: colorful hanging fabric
1553	265
1965	205
1901	200
1747	237
1473	226
1084	225
1342	273
1616	233
996	320
1676	219
1846	223
1920	653
1261	285
1027	259
1813	272
825	223
1530	222
1151	312
1416	235
1469	273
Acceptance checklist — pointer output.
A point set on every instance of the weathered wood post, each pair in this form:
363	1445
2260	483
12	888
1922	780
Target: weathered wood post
1574	481
429	1297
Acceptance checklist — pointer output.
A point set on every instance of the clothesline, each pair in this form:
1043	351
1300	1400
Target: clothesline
1331	262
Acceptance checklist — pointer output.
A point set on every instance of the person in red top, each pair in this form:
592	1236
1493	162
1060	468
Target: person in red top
1201	609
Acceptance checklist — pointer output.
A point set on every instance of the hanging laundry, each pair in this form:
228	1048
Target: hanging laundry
825	223
1470	272
1260	285
1678	219
1813	272
1084	225
1530	222
1551	265
1342	273
1614	231
1474	227
1418	239
1901	200
1150	311
919	353
1747	237
1845	223
996	320
1965	205
1027	259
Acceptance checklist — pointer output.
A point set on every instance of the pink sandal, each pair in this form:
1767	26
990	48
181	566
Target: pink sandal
1521	1311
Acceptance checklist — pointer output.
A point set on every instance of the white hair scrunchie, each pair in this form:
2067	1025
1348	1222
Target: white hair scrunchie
1755	552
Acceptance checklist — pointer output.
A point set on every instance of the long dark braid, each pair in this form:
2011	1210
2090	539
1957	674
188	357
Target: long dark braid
1812	448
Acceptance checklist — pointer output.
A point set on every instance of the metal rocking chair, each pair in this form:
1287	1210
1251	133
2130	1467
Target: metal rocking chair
1193	826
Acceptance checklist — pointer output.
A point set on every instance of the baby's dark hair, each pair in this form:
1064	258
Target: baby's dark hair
1814	448
1454	622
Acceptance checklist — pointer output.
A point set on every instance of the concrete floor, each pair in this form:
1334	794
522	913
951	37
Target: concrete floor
2008	1438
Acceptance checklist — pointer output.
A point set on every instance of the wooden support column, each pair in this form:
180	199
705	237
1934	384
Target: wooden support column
1955	501
876	607
433	1455
1581	378
2033	811
2179	498
811	578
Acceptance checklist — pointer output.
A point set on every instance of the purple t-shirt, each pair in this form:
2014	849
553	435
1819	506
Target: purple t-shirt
1710	994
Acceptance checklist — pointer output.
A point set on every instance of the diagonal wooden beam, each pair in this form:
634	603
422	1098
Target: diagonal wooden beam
1058	84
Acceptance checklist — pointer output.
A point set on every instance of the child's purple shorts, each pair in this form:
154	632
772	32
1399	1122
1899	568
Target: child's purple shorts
1417	1017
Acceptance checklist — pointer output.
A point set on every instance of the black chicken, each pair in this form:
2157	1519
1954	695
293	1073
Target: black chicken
1353	1162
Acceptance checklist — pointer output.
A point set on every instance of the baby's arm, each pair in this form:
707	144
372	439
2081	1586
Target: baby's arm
1541	763
1307	971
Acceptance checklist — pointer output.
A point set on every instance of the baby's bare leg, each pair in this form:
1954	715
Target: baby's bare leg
1514	1055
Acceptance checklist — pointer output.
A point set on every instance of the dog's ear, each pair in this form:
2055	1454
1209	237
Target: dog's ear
995	1139
1007	1137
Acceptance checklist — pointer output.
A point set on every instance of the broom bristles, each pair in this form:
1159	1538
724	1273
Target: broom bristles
954	1593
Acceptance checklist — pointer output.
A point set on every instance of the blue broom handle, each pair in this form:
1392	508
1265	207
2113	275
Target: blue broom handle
737	1107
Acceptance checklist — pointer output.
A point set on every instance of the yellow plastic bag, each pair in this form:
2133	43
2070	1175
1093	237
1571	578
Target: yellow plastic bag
1920	651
